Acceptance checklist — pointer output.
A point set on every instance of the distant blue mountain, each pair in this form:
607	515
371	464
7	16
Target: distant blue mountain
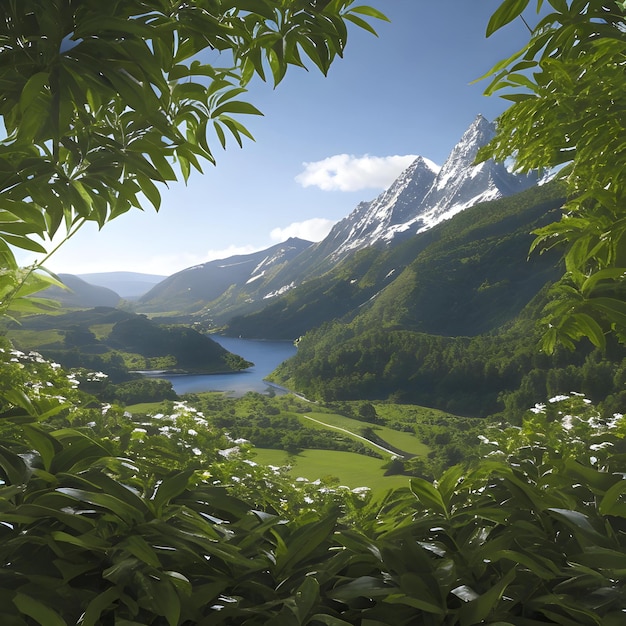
128	285
81	294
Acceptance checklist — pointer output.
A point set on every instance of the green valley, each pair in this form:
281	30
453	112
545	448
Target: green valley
449	445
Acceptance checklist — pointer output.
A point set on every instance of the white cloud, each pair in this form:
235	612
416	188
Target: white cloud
346	172
314	229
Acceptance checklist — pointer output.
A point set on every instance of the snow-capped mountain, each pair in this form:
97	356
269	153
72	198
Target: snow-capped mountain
421	197
424	195
375	220
193	288
461	184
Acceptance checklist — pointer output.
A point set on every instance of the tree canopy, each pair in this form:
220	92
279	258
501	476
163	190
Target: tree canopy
104	101
568	112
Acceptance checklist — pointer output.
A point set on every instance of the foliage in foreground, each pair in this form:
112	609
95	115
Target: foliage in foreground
568	112
105	520
102	103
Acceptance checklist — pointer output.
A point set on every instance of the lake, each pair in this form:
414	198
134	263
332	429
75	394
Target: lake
266	356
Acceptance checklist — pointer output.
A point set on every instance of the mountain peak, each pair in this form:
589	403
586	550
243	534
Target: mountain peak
425	194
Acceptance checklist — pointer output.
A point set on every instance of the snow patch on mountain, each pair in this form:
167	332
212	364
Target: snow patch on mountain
279	292
251	280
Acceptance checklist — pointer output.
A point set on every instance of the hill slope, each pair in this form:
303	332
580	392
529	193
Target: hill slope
457	329
466	276
127	284
81	294
423	196
223	283
113	341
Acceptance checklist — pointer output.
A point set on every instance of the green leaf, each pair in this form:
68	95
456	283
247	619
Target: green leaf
303	542
105	501
361	23
362	587
506	12
370	12
427	605
170	488
235	106
166	601
478	610
139	547
611	504
429	495
44	443
329	620
24	243
577	521
105	601
615	310
16	471
38	611
559	5
86	541
306	597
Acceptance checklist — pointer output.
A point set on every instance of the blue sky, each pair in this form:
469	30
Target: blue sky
402	94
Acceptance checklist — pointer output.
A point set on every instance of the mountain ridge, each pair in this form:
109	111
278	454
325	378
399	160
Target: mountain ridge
198	288
421	197
366	278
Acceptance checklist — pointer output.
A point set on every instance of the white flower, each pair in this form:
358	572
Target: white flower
600	446
558	399
228	452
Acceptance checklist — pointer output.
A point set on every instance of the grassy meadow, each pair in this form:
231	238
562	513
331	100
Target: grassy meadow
407	442
350	469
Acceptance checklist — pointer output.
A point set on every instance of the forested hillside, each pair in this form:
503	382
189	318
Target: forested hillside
115	341
488	374
458	328
465	276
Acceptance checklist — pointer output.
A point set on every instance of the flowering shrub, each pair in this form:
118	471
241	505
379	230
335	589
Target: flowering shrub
566	426
108	517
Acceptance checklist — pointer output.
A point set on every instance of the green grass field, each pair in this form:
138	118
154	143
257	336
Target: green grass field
352	470
149	408
401	440
34	339
101	331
